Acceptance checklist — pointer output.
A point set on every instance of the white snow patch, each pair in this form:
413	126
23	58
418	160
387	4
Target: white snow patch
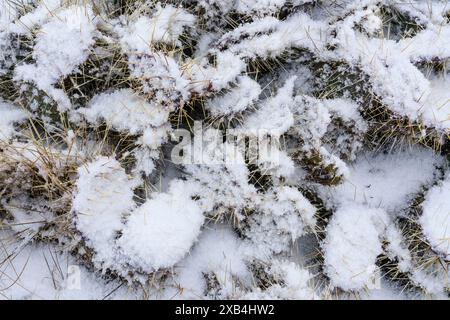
9	115
166	25
104	194
238	99
297	284
436	105
62	44
352	245
161	231
435	219
220	251
386	180
39	272
124	110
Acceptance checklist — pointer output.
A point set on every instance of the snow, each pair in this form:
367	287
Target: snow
219	251
298	30
9	115
161	75
44	10
145	160
26	221
274	115
400	85
285	216
315	141
386	291
435	219
246	6
228	67
104	195
224	179
166	25
276	163
7	14
124	110
436	106
397	249
237	100
427	44
38	272
350	253
312	122
62	44
346	109
162	230
297	284
387	180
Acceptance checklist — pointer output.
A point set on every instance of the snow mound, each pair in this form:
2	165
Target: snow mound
104	195
351	252
387	180
9	115
435	219
62	44
124	110
162	230
166	25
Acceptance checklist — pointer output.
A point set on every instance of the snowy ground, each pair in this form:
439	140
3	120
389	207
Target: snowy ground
224	149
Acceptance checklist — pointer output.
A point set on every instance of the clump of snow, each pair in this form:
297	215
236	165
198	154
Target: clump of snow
237	100
219	251
104	194
125	111
206	77
9	115
299	30
145	160
161	231
433	281
222	173
436	105
62	44
276	163
274	115
387	180
297	283
285	216
159	75
352	245
371	23
397	249
44	10
428	44
258	5
435	219
166	25
346	109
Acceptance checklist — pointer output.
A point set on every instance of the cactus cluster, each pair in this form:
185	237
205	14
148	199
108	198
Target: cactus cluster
225	149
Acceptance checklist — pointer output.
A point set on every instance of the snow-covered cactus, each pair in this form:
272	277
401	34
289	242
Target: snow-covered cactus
200	148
